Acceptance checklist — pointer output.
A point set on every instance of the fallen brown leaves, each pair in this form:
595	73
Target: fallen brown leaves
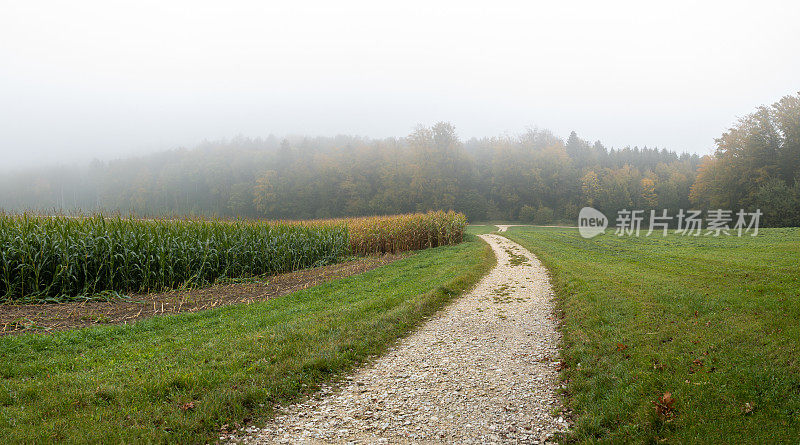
188	406
665	406
696	365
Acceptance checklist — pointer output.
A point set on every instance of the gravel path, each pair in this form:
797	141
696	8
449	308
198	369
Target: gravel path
504	227
481	371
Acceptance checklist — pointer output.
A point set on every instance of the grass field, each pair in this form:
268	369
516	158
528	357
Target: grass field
713	321
181	378
480	229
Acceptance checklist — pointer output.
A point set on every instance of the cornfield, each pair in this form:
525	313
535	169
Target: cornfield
392	234
62	257
57	258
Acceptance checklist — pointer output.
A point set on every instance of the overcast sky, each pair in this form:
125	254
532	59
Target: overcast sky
84	79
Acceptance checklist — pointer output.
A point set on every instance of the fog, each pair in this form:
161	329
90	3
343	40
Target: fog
108	79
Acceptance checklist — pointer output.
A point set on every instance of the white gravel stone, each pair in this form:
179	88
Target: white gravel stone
485	365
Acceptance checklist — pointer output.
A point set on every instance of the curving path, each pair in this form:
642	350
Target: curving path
483	370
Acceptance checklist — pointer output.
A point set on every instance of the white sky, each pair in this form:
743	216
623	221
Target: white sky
83	79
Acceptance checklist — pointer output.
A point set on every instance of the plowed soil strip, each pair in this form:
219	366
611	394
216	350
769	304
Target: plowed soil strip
19	318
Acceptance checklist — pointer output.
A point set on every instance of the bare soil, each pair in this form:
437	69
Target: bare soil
20	318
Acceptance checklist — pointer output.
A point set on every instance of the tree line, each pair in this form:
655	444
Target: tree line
756	165
533	177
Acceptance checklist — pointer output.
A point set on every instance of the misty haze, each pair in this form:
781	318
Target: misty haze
422	222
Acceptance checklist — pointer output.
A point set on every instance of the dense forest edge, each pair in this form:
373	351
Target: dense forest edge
535	177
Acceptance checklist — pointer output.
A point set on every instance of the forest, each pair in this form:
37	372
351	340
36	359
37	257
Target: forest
534	177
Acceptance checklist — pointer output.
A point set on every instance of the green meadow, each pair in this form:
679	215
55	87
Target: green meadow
714	322
181	378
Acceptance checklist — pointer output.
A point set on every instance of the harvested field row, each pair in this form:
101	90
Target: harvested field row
24	318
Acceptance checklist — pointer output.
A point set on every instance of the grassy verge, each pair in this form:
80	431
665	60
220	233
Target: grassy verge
180	378
480	229
713	321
